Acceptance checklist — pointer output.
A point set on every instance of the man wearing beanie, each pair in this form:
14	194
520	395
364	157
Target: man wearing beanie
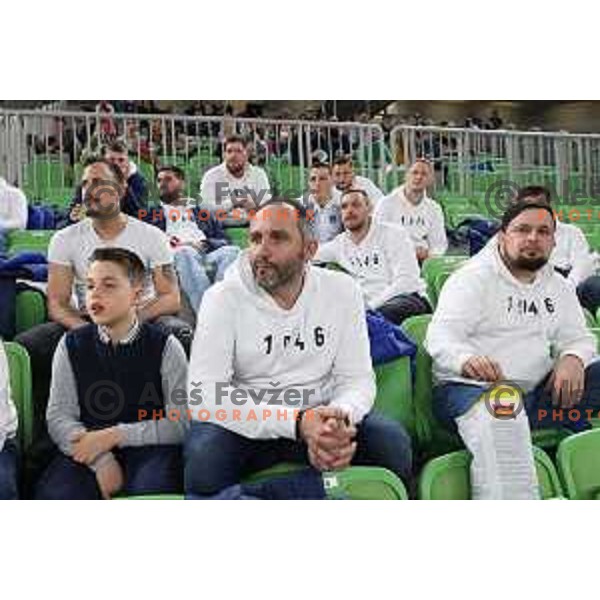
506	318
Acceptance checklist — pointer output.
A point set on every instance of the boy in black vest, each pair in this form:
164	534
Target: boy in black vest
113	393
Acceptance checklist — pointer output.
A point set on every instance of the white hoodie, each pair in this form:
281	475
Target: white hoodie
571	253
424	221
13	207
483	310
8	413
384	263
245	341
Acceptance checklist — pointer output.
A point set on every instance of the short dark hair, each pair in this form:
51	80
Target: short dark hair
344	159
534	191
355	191
320	165
94	159
179	173
515	209
116	146
129	261
306	224
235	139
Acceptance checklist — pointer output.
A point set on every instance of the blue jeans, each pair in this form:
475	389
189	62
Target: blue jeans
146	470
588	292
217	458
9	487
3	234
192	269
451	400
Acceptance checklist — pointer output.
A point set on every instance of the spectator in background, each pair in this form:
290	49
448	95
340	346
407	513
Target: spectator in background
136	195
13	211
380	256
198	240
410	207
323	200
345	179
235	183
108	129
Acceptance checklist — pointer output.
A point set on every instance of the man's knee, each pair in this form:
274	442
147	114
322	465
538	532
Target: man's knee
388	444
210	455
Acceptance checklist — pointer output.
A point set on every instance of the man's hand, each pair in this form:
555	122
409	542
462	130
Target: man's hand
245	202
77	212
567	382
329	438
198	245
422	254
482	368
110	478
89	445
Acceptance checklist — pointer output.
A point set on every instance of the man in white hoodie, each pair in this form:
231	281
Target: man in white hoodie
381	257
410	206
345	179
13	211
507	318
281	355
8	432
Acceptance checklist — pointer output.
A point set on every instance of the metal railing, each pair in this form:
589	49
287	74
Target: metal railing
41	151
468	161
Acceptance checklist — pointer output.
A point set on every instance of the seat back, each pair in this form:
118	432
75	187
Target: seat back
578	465
395	394
20	383
448	477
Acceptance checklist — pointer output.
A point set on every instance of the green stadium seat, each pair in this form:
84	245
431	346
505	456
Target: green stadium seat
432	437
152	497
238	236
590	319
394	393
448	477
30	310
25	240
364	483
578	459
20	381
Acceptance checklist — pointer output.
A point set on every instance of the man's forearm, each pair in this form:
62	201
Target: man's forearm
167	304
66	316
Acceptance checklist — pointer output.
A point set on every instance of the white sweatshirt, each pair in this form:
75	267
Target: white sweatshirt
424	221
571	253
317	351
218	185
367	186
13	207
384	263
483	310
8	412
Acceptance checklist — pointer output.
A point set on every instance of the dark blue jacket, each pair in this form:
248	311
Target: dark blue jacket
211	227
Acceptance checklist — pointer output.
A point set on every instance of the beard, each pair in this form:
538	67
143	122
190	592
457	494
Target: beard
528	264
277	276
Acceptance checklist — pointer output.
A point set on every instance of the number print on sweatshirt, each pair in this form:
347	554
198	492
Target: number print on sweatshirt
409	221
295	342
528	307
365	261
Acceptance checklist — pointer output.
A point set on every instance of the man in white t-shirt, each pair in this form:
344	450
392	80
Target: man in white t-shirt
13	211
381	258
285	370
68	256
323	200
345	179
8	432
235	183
410	207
